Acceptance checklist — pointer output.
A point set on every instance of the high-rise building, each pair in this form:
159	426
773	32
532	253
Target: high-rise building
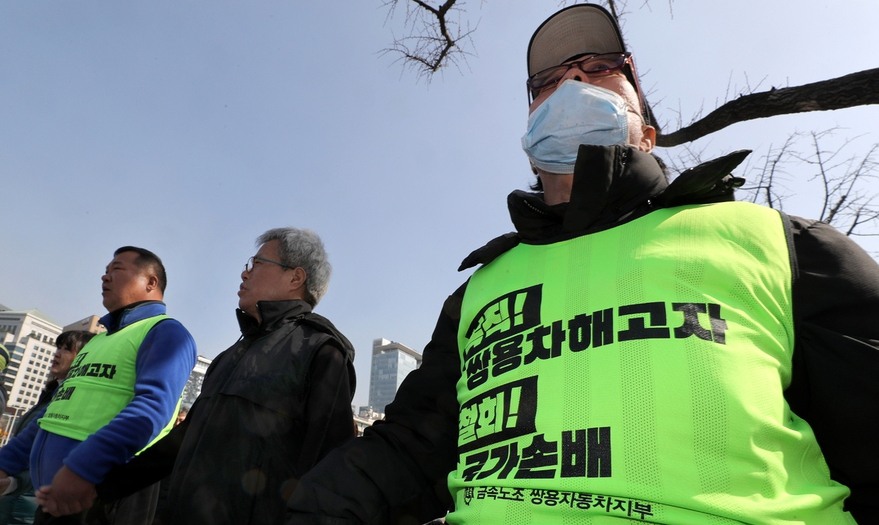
29	336
193	384
391	363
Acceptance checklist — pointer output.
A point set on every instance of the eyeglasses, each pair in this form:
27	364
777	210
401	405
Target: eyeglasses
248	266
594	66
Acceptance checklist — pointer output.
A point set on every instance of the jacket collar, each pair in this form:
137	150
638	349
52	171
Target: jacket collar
614	184
272	314
119	319
609	183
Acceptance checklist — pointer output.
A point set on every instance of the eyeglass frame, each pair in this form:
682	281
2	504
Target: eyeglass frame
629	73
248	266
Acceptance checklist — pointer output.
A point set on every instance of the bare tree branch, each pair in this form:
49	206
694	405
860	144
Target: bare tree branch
847	198
769	180
434	40
851	90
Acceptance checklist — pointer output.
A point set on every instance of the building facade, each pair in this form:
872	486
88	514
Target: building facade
91	324
391	363
193	384
30	338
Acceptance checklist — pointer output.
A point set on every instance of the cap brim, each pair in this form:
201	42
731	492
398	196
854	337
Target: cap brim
575	30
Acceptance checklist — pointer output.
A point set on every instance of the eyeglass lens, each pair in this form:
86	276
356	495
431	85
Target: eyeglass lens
603	64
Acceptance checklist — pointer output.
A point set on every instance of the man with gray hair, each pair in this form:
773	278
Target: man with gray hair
271	405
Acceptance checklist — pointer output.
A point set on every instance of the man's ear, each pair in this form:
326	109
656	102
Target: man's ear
152	283
298	278
648	138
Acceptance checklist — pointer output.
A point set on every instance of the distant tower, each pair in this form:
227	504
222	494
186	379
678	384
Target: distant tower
391	363
193	385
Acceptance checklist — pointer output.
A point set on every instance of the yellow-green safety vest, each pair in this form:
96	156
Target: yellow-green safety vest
100	383
637	375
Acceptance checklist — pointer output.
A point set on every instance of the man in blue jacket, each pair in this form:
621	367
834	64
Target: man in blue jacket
121	393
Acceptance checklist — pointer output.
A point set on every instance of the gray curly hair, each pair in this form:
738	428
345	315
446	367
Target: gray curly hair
303	249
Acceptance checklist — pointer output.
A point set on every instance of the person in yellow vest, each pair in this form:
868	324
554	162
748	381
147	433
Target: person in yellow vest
18	502
637	351
121	393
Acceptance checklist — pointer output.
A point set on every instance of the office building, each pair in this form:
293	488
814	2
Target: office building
193	384
29	336
391	363
91	324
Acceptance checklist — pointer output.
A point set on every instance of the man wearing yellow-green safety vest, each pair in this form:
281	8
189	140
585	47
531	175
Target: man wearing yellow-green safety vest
120	394
637	351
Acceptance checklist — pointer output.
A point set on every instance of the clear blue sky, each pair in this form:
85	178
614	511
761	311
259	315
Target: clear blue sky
190	127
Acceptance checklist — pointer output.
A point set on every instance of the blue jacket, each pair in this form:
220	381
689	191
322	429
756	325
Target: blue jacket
164	361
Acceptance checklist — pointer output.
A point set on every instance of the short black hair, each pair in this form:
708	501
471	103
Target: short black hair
74	339
147	260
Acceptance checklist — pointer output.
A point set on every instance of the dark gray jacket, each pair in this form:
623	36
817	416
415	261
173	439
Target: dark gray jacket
271	406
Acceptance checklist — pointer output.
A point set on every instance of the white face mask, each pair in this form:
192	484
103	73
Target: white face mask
576	113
